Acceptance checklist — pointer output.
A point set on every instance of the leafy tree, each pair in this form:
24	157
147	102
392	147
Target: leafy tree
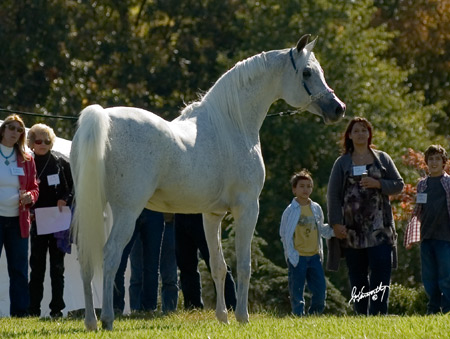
421	47
30	32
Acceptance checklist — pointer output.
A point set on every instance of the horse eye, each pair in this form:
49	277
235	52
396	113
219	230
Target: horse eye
306	73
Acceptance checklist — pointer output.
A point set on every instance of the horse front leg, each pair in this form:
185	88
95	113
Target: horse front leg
121	233
90	319
211	225
245	217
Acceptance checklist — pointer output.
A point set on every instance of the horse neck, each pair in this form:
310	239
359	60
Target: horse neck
257	100
244	98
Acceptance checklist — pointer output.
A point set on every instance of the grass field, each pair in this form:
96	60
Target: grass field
202	324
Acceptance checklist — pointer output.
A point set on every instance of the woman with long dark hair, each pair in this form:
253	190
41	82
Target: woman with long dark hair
359	210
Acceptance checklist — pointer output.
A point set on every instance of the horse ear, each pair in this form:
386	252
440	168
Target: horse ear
311	45
302	42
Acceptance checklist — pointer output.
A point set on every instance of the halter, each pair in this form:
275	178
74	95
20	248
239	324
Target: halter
312	98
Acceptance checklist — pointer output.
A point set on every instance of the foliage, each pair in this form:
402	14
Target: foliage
153	55
407	301
421	47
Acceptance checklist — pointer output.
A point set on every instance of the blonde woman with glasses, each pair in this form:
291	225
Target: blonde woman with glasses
55	189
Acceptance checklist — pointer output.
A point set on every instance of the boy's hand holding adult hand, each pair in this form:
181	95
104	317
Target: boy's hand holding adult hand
340	231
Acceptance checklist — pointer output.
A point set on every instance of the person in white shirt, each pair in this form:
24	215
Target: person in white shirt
301	232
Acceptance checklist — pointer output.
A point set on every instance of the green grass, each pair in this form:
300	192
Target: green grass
202	324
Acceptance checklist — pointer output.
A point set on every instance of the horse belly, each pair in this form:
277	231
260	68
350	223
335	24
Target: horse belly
187	201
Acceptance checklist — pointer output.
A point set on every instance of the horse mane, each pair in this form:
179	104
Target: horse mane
222	102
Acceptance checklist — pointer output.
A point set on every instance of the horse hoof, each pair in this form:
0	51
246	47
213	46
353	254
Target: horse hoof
91	326
222	317
242	318
107	325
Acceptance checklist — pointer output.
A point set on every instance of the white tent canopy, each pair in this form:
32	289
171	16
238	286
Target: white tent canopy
73	289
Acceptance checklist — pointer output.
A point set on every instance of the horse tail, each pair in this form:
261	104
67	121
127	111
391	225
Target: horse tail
88	167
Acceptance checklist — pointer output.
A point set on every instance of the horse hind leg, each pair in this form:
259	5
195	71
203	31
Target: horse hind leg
122	230
90	319
211	224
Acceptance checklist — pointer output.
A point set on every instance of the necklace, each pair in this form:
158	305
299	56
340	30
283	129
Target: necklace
45	166
7	157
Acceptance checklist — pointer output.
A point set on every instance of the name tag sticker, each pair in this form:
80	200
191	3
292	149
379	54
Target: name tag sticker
17	171
359	170
53	179
421	198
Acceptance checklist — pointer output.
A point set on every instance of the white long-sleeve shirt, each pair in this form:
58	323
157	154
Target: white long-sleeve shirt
288	224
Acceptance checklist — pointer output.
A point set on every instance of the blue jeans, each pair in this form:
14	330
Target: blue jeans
309	269
168	271
149	230
435	255
378	260
16	249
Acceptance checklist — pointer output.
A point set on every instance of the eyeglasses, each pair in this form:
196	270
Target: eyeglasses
14	128
38	142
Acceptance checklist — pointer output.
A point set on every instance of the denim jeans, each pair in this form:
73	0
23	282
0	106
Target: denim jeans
16	249
309	269
167	268
149	230
435	255
189	239
378	260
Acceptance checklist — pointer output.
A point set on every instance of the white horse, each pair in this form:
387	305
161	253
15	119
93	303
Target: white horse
208	160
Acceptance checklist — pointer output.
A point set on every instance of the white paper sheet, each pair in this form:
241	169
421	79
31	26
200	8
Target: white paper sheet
51	220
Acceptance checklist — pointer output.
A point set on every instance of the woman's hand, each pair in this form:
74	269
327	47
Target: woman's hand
340	231
25	197
369	182
61	204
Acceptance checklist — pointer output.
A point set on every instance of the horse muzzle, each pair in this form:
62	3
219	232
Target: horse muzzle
335	111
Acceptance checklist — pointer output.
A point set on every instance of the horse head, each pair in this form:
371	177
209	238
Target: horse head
315	95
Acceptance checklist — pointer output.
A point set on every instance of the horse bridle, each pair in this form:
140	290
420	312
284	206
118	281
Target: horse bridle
312	97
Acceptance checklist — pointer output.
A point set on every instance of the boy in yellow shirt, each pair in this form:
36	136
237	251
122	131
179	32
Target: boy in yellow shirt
301	233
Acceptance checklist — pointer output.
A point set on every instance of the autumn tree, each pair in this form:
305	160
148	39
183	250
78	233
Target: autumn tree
421	47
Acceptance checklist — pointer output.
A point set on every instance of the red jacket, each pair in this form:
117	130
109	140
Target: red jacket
28	183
